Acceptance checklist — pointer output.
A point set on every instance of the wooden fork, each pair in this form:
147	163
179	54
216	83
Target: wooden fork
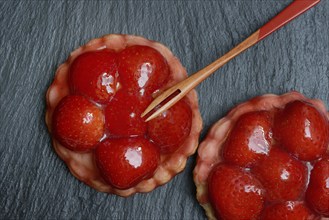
178	91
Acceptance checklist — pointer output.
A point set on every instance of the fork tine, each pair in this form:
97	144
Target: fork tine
159	99
170	103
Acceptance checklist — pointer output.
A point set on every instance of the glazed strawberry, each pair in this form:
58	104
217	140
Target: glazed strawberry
234	193
302	130
290	210
125	162
250	139
94	74
123	115
77	123
283	177
170	129
317	194
142	70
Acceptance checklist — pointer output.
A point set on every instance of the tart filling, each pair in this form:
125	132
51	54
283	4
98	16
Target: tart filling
266	159
93	114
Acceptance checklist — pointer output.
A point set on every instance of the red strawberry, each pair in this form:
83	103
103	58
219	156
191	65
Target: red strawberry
317	194
235	194
77	123
94	74
290	210
250	139
123	115
125	162
170	129
303	130
283	177
142	69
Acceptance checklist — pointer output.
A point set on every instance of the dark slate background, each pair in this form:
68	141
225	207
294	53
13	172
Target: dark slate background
37	36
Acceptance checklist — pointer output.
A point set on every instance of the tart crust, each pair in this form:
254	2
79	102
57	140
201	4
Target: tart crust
82	165
208	152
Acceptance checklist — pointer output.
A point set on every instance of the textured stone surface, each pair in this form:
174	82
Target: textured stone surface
37	36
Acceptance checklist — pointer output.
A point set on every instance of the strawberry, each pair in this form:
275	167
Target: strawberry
94	74
123	115
303	130
283	177
170	129
317	193
234	193
249	140
125	162
290	210
142	70
77	123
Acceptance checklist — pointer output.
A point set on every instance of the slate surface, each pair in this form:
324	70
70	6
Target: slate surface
37	36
